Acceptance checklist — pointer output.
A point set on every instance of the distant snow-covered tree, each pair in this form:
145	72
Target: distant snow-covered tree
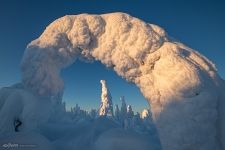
117	112
106	107
93	113
147	119
123	110
137	123
145	114
64	106
77	109
130	112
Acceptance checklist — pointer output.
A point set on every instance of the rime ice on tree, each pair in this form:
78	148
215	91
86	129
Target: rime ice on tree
123	111
147	119
117	112
130	112
106	107
145	114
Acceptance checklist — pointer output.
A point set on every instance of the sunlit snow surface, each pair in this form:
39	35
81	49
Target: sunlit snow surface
182	86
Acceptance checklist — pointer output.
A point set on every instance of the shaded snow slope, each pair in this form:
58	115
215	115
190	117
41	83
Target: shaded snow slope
181	85
100	134
117	139
17	103
25	140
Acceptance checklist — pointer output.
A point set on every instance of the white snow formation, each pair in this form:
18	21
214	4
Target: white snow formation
18	103
106	107
182	86
130	112
123	110
145	114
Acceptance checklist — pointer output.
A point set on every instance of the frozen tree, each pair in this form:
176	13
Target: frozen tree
106	107
77	109
93	113
130	112
72	109
129	117
145	114
137	118
64	106
137	122
123	110
117	112
147	118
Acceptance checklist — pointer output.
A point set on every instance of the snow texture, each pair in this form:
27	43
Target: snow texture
18	103
106	107
100	134
182	86
145	114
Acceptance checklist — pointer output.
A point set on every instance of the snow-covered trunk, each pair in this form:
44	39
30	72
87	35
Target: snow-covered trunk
106	107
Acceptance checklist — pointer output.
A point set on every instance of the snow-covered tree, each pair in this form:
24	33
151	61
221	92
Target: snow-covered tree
64	106
93	113
145	114
117	112
137	123
147	119
130	112
129	117
106	107
76	110
123	110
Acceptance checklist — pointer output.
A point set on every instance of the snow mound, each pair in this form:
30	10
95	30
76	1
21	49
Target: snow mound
100	133
18	104
182	86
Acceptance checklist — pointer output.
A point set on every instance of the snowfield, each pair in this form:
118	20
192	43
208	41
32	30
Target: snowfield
185	93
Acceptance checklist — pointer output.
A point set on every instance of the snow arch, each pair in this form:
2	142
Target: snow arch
181	85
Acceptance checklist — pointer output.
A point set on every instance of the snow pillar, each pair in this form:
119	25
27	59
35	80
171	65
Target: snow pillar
106	107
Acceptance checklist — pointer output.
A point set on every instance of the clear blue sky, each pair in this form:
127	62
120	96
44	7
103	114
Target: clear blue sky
200	24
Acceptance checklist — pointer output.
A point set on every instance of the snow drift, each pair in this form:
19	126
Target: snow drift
181	85
18	103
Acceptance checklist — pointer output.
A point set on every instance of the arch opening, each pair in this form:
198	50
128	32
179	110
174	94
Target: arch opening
82	87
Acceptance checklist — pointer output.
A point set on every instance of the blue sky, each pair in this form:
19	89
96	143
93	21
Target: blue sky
199	24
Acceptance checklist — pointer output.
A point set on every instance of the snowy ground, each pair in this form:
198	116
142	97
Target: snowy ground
102	133
31	122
